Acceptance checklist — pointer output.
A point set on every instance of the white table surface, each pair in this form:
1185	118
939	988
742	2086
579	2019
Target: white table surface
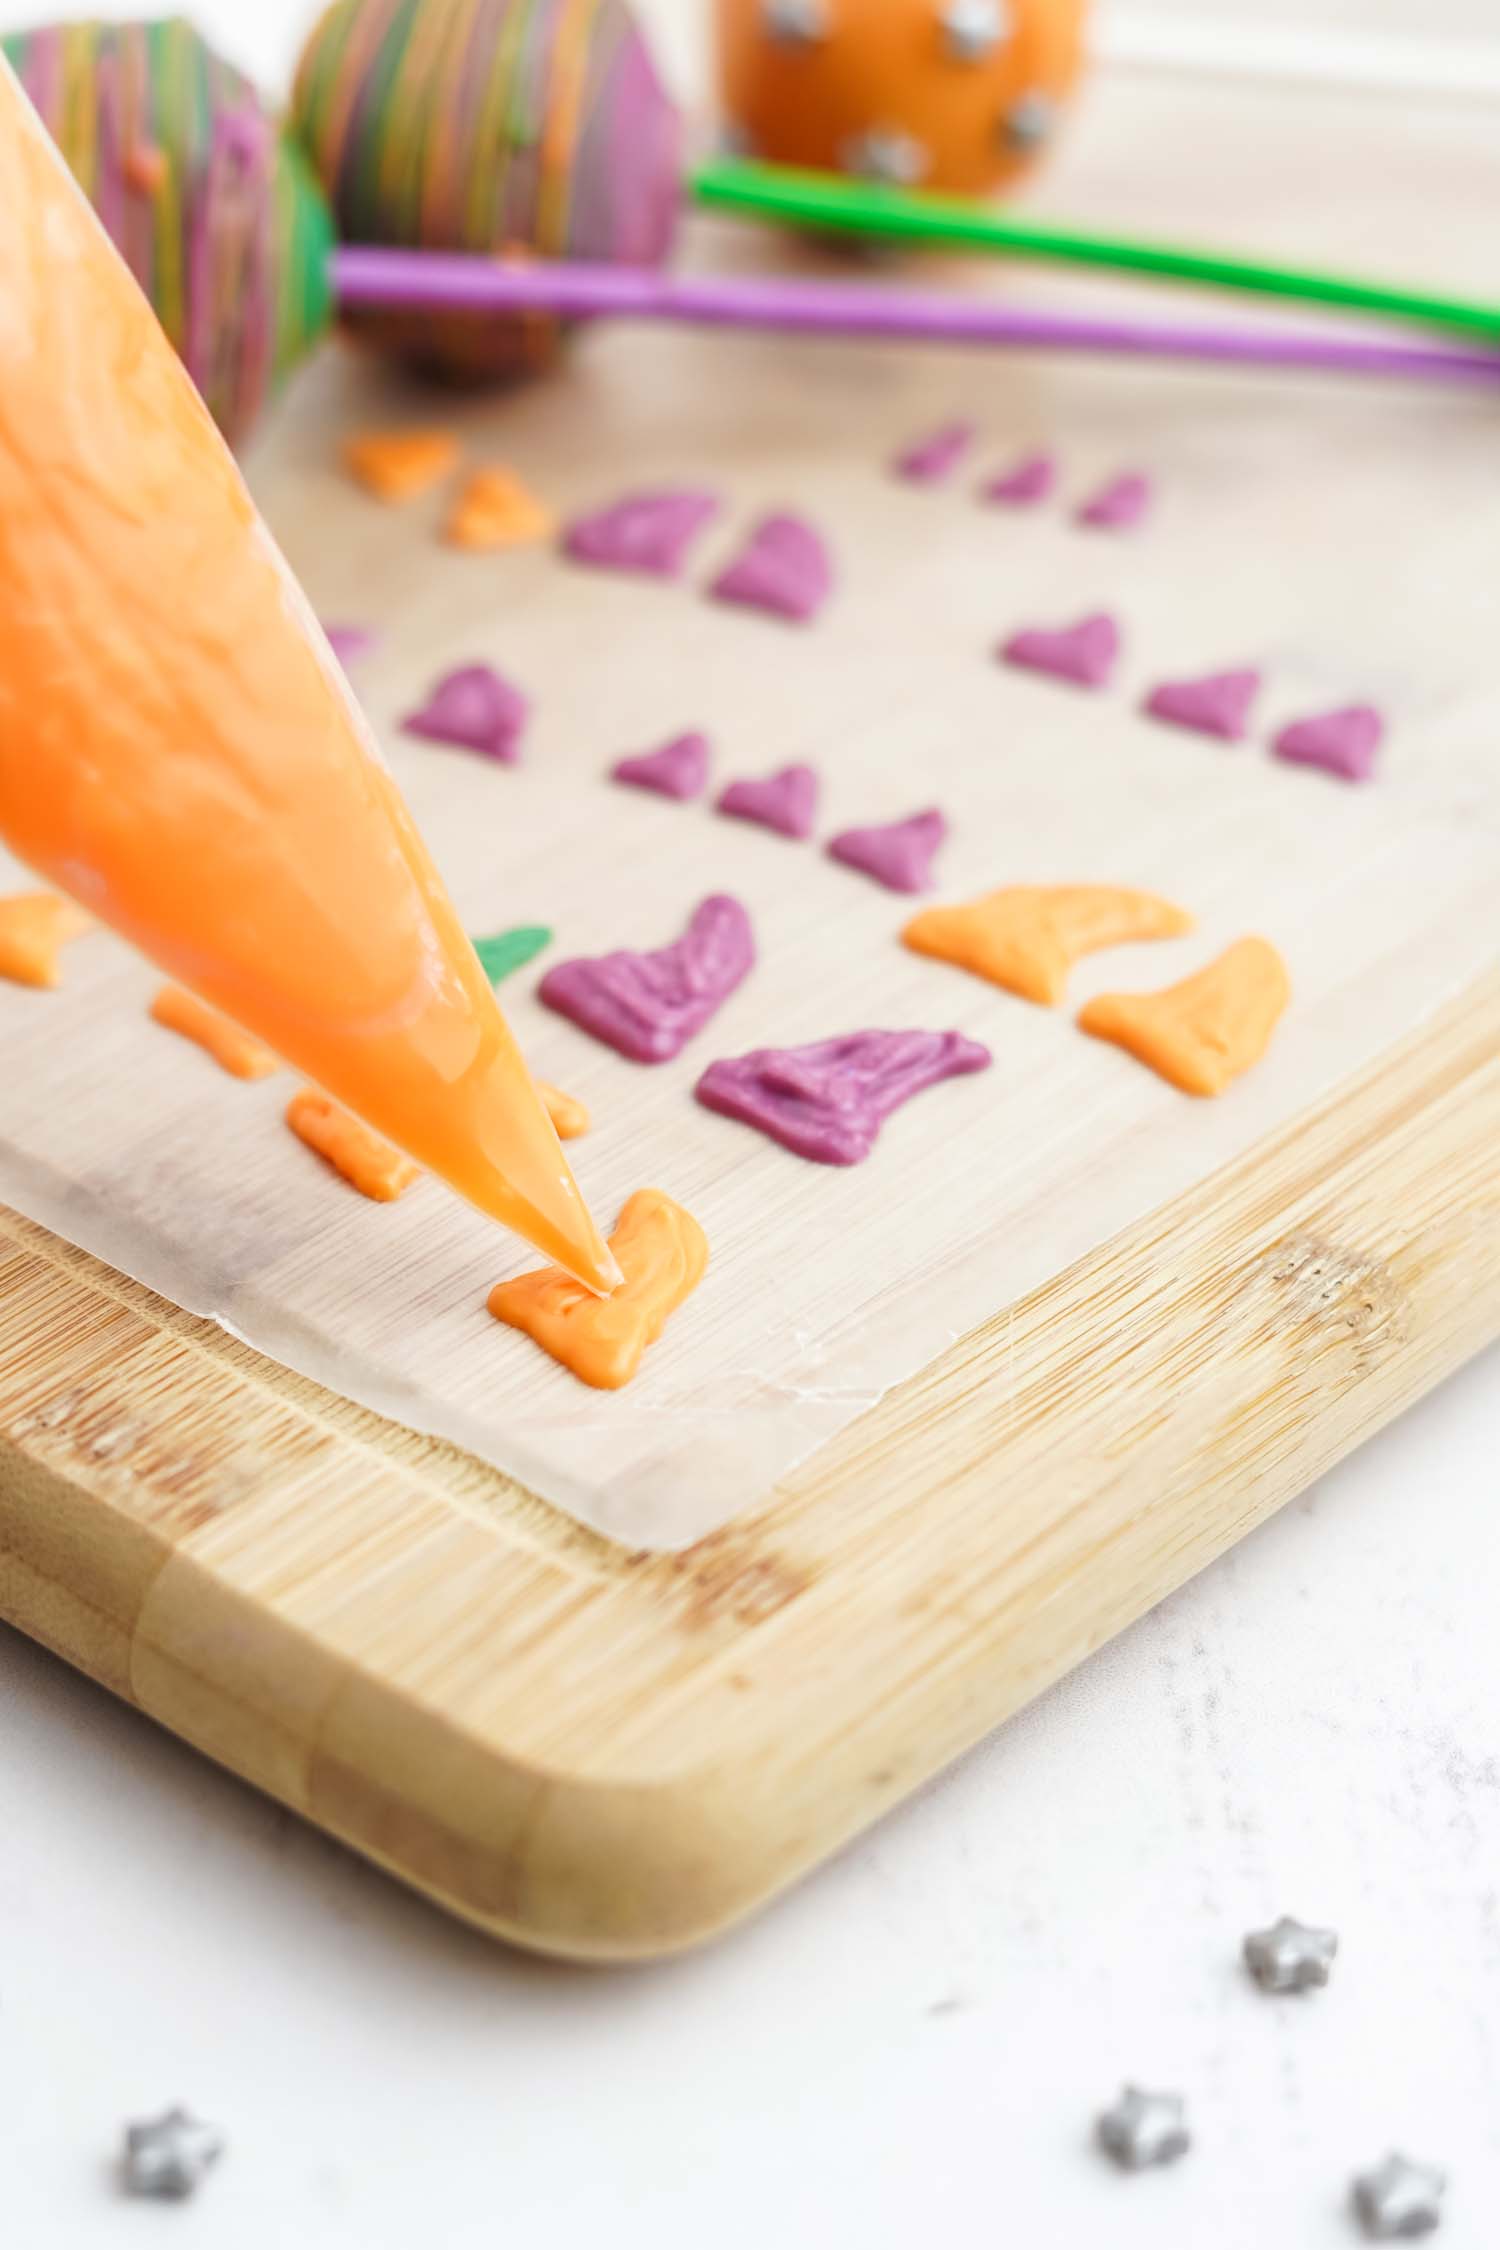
908	2050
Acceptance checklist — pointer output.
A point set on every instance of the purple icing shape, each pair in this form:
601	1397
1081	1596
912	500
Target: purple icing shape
1218	705
678	769
933	458
647	531
1123	503
786	801
1024	486
349	642
827	1102
1341	742
899	855
1085	653
649	1005
784	569
473	709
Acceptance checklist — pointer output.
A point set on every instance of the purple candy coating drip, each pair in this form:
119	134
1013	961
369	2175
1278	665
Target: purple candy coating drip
828	1101
1345	743
1085	654
935	457
786	801
1026	486
649	1005
678	769
784	569
1123	504
899	855
650	532
1218	705
473	709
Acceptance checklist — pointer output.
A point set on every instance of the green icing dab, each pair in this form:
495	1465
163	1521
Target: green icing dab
501	956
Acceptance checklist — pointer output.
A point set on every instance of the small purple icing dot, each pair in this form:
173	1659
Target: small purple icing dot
934	457
650	532
1026	486
647	1006
1345	742
783	569
349	642
1084	654
476	709
899	855
678	769
1218	704
1121	505
828	1101
786	801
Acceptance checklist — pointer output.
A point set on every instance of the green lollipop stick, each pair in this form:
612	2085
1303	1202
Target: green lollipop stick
823	204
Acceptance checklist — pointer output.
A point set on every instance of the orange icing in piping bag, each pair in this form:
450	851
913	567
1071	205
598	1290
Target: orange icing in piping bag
365	1160
1204	1033
179	749
400	465
663	1254
1026	938
232	1049
495	509
34	928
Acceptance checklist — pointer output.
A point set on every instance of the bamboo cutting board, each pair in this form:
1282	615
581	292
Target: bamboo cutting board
604	1751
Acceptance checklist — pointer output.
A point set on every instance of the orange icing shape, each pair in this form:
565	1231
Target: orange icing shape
1027	938
397	465
232	1049
495	509
365	1160
34	928
570	1118
1204	1033
662	1252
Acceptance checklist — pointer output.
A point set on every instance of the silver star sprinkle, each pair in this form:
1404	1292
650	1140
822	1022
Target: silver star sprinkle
168	2156
795	23
1144	2129
885	154
1290	1956
1030	122
1399	2201
973	29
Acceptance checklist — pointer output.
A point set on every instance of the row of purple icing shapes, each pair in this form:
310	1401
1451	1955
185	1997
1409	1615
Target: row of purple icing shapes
783	569
826	1101
897	853
1344	742
1121	504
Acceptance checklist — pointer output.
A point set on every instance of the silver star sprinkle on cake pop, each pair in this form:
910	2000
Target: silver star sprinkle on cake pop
973	29
169	2156
1144	2129
885	154
1290	1956
795	23
1399	2201
1030	122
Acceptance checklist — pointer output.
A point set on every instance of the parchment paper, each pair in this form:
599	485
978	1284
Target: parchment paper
1343	540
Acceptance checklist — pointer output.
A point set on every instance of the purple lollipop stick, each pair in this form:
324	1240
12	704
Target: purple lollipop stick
432	282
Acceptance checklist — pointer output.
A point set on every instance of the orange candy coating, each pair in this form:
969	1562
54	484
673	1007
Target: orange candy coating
663	1254
953	95
34	928
232	1049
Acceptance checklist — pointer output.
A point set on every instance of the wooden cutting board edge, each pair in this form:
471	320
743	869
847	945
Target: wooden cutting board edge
611	1756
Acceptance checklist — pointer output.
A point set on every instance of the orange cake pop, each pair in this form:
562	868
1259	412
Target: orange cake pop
957	95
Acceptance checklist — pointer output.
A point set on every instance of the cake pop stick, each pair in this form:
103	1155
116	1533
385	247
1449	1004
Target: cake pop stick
421	281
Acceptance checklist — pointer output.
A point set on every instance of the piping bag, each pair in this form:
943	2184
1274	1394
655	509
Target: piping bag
180	752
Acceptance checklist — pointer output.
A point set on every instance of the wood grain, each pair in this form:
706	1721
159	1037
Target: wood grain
607	1756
